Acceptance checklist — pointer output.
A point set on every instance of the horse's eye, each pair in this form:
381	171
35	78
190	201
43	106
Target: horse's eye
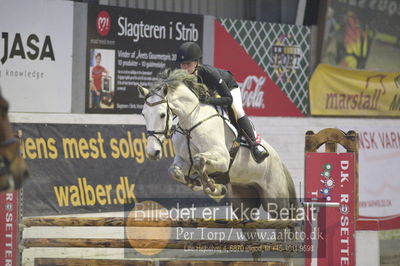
162	115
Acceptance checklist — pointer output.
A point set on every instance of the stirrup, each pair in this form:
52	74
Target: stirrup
259	153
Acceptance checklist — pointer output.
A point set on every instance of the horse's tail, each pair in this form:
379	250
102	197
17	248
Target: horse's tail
292	191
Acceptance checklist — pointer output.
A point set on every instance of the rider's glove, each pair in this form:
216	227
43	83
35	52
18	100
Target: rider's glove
204	99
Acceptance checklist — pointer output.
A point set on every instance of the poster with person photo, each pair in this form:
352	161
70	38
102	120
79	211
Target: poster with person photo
101	76
127	47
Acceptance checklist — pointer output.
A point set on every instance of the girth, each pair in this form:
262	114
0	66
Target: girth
223	178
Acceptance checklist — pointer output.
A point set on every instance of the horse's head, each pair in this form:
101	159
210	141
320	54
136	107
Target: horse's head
13	169
176	92
158	116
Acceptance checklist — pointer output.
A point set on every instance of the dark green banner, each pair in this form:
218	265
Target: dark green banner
77	168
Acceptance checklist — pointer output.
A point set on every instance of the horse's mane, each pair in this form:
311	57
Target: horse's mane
173	78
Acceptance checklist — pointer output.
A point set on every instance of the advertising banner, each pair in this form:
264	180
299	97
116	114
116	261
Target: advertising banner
9	233
362	34
343	92
330	178
269	61
78	168
379	154
127	47
36	55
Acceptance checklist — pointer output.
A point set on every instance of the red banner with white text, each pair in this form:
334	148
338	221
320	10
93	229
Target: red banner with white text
9	234
330	178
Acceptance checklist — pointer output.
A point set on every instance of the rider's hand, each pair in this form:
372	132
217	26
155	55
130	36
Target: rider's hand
204	99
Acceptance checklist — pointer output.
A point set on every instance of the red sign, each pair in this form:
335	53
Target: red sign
103	23
9	234
260	95
330	178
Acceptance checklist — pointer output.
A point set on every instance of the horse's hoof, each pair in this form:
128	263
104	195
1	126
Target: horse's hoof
195	184
220	190
196	188
176	173
217	198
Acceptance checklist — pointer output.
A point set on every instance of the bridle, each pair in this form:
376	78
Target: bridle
168	130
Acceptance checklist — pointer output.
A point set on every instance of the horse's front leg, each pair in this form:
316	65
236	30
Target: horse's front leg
179	171
211	162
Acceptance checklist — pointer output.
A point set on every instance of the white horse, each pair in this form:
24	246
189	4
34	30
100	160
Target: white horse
202	143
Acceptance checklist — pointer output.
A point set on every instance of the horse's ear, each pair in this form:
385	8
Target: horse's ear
164	74
165	90
143	92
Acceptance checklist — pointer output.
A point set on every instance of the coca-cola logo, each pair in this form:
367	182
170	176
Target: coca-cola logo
103	23
251	90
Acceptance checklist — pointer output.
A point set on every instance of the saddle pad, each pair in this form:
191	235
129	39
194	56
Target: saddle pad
243	142
221	111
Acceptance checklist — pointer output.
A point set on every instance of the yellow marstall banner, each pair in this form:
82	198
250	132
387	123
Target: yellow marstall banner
342	92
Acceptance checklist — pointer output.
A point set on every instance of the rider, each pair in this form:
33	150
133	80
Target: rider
221	81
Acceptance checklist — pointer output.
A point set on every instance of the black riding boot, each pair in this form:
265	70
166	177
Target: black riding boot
258	151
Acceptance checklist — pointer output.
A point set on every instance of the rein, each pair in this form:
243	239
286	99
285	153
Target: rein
168	132
186	132
191	112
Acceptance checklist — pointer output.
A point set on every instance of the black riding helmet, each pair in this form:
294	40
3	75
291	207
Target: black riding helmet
188	52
